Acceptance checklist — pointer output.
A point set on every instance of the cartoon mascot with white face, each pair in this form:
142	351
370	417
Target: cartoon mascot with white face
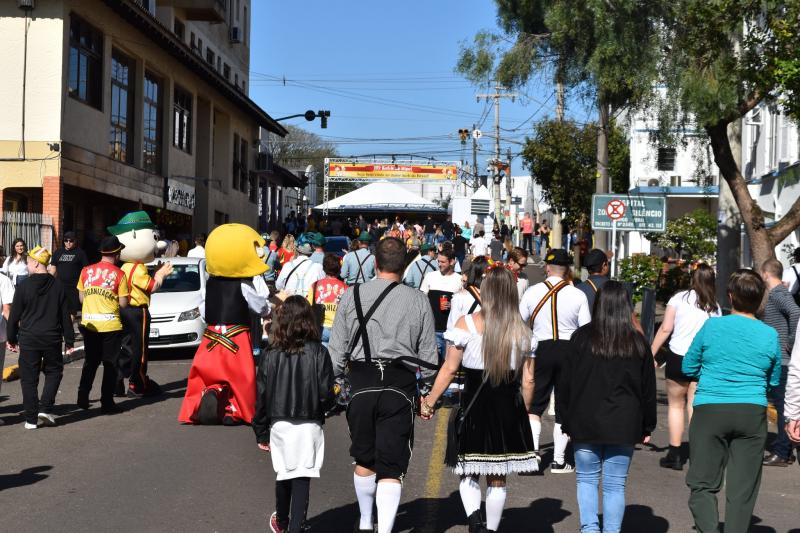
137	232
222	381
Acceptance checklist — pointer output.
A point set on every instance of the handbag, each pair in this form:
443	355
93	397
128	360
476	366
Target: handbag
455	426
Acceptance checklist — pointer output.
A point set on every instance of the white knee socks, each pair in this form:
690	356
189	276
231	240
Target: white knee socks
560	442
365	492
495	501
470	491
387	498
536	429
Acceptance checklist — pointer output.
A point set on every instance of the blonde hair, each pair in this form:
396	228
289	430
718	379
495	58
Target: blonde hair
504	332
288	243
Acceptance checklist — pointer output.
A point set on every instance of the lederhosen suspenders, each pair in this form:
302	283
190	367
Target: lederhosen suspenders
476	295
552	295
592	285
298	265
361	330
360	269
422	271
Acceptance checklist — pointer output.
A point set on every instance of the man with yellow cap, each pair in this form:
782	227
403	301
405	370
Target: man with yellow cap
38	322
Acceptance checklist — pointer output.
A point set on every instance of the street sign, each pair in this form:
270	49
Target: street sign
632	212
477	134
615	209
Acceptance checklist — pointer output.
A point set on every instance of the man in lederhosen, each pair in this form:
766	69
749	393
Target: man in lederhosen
359	266
416	271
383	358
554	309
596	263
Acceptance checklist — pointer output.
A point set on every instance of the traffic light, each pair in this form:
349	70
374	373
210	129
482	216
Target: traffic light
323	118
463	134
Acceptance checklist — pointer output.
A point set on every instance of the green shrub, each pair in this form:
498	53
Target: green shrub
641	271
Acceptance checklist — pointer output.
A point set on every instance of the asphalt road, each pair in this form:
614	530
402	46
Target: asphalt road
141	471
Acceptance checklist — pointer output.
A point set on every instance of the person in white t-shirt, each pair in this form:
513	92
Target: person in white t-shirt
479	246
440	286
198	250
686	313
298	275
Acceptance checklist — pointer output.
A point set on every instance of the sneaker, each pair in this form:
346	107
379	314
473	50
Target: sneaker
561	468
274	526
46	419
672	462
28	425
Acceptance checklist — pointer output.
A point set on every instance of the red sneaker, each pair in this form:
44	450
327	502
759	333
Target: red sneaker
273	524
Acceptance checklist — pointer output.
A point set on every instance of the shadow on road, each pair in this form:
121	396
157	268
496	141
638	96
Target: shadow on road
641	518
29	476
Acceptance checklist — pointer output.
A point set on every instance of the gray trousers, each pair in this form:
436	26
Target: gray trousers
2	361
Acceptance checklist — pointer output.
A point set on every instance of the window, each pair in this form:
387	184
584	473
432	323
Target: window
121	134
236	166
182	115
85	62
244	26
179	28
666	159
210	56
219	64
220	218
200	47
226	71
236	79
192	41
243	172
243	86
151	121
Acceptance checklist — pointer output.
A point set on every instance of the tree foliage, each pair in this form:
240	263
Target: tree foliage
692	237
301	148
561	157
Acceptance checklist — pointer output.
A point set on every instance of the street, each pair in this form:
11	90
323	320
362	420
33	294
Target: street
143	472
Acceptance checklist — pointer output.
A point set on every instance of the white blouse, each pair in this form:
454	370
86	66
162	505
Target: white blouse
472	341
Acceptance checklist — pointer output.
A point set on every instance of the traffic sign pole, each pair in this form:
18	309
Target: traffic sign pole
613	248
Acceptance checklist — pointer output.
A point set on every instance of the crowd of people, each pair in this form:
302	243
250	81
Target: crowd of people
320	329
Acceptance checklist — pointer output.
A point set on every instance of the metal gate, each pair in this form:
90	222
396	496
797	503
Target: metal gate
33	228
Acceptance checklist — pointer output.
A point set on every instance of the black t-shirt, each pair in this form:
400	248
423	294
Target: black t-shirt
69	264
459	245
496	249
429	226
447	228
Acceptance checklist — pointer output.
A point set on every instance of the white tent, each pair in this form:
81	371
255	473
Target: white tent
382	196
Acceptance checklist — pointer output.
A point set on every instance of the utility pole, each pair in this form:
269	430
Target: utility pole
555	231
496	176
476	181
509	186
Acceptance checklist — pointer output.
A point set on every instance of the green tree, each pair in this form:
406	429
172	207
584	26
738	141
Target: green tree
561	158
723	58
301	148
692	236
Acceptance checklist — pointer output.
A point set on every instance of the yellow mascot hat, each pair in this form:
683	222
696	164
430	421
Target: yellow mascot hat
234	251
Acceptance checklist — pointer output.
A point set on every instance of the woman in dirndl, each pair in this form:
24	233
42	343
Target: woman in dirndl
495	349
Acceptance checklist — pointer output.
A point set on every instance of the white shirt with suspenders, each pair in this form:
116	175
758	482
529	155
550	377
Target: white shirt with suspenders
556	308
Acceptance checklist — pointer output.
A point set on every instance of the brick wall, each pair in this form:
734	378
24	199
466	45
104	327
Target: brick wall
53	202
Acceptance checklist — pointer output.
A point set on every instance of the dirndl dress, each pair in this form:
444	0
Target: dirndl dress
496	438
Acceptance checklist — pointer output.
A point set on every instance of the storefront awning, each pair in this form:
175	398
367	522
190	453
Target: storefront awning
281	176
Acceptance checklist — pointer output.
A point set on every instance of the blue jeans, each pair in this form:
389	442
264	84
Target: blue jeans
781	446
429	238
613	461
441	346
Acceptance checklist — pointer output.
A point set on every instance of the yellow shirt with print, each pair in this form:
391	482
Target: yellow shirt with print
102	284
140	284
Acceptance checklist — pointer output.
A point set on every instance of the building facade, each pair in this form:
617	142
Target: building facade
115	105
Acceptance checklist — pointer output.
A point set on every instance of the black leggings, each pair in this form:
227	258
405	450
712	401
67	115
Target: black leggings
292	493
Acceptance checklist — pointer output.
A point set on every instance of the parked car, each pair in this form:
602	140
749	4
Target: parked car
337	244
178	308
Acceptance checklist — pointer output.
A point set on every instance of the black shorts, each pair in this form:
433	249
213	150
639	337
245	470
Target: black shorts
673	368
546	372
381	422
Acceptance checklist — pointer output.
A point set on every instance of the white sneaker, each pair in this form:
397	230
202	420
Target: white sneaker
46	419
28	425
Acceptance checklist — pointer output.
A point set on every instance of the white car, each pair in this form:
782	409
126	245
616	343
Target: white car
177	309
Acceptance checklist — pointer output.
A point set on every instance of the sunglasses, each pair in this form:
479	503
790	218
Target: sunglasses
69	240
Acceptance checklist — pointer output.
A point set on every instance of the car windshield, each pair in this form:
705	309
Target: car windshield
184	278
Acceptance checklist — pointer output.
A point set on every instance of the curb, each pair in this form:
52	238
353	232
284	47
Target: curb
10	373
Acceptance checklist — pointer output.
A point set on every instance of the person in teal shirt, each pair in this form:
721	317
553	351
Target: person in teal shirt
736	358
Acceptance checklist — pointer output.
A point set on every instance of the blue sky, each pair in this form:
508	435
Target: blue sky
385	71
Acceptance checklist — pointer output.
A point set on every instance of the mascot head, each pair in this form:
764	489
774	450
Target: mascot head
137	232
235	251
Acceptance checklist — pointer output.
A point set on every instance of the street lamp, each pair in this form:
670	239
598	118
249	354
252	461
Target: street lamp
311	115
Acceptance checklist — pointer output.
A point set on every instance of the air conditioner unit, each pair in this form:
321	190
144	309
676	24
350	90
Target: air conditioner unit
653	182
25	4
236	34
675	181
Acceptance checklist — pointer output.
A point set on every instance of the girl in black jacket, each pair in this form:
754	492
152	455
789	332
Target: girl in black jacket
294	389
607	404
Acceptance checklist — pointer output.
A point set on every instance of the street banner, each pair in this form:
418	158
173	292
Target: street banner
645	213
378	171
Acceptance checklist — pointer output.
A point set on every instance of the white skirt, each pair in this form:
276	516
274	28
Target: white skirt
297	449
